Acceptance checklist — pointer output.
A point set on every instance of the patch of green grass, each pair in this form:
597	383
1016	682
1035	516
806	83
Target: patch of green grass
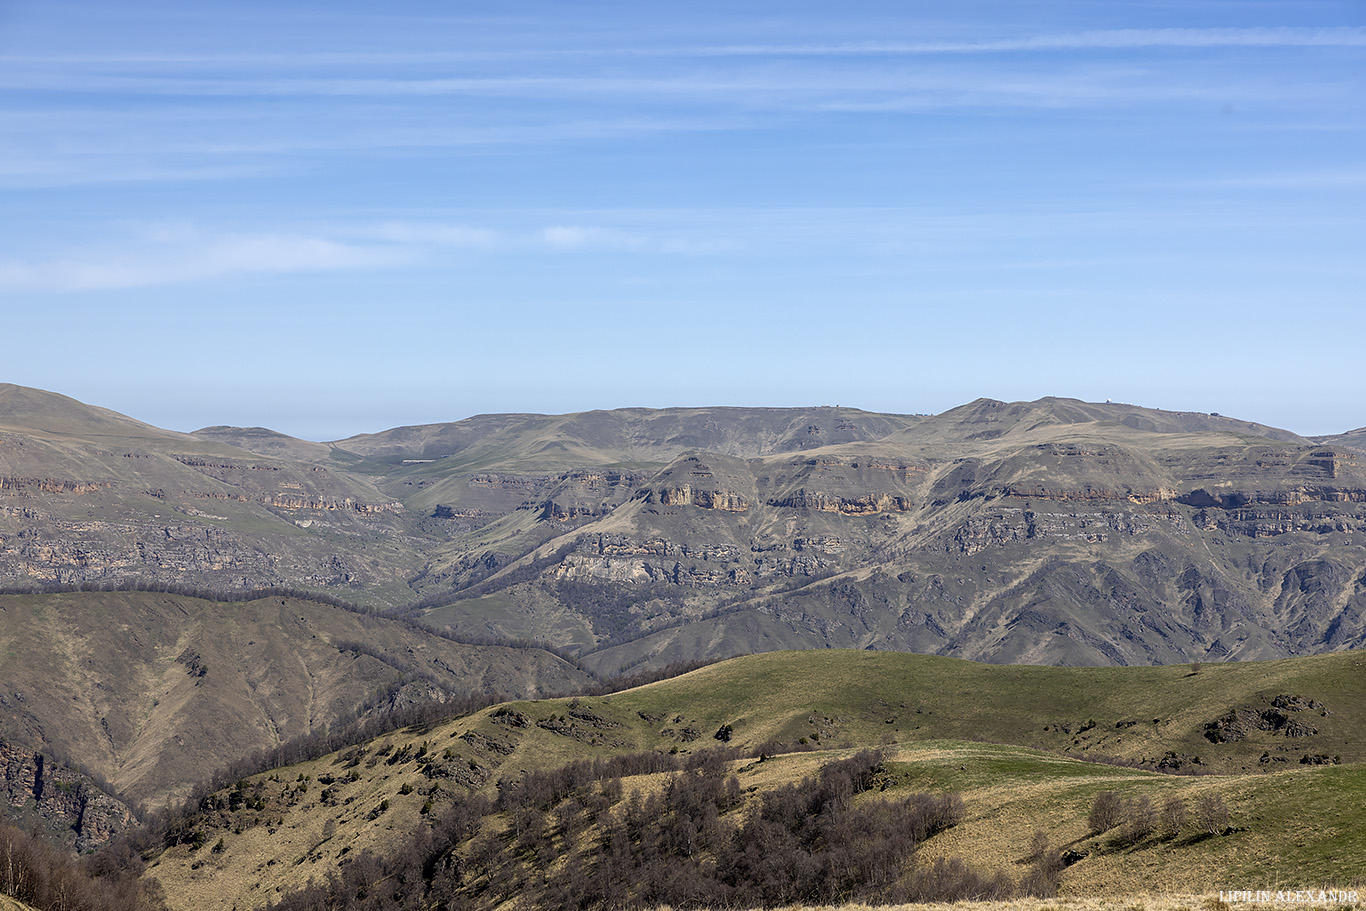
959	766
1293	828
1313	816
1138	713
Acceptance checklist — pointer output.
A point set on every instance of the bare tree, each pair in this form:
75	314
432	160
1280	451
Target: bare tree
1173	815
1211	815
1139	820
1106	812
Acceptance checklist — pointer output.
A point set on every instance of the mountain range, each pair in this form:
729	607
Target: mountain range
234	603
1055	531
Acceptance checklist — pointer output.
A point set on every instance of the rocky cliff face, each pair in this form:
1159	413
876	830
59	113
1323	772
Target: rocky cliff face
1007	552
59	801
126	514
1002	531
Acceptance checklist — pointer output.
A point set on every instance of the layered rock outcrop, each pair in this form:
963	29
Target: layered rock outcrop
60	801
767	527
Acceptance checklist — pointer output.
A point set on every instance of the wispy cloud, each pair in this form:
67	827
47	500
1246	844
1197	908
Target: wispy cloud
86	146
575	237
1318	179
438	235
74	119
731	87
170	254
651	70
1102	39
1112	39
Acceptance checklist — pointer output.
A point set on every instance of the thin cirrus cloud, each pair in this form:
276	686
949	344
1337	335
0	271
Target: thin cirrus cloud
245	141
741	88
118	131
1113	39
362	74
555	238
1104	39
1319	179
178	145
171	255
175	256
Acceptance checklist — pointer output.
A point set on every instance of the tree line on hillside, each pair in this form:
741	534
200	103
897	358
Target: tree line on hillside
171	825
1135	819
185	591
569	839
49	879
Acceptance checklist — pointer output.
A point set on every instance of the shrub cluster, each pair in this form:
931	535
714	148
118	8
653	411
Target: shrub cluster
1135	819
572	841
48	879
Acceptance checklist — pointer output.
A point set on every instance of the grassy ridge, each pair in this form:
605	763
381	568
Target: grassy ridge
868	696
1293	829
1294	826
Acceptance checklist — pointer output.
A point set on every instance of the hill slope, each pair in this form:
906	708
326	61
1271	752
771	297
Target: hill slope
1050	532
932	715
155	692
1054	531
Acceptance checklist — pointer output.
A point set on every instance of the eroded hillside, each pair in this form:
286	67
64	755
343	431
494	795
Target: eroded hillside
156	692
1054	531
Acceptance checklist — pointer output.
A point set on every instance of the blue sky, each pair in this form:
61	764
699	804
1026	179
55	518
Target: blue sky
331	218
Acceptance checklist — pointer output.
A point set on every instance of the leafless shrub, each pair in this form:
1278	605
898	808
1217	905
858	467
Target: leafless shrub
44	878
1139	820
1039	845
1173	815
1211	815
1106	812
1045	867
950	880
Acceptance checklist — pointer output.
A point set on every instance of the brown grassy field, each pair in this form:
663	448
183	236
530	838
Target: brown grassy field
1290	825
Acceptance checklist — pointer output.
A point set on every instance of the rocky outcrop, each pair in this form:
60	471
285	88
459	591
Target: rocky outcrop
292	501
195	462
565	497
301	501
551	511
1289	496
182	553
1283	717
1009	525
702	498
448	512
862	505
63	804
1272	523
1331	460
524	484
622	559
22	486
1042	492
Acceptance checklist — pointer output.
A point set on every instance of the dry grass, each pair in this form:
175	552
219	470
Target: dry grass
1209	901
1294	823
1142	902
